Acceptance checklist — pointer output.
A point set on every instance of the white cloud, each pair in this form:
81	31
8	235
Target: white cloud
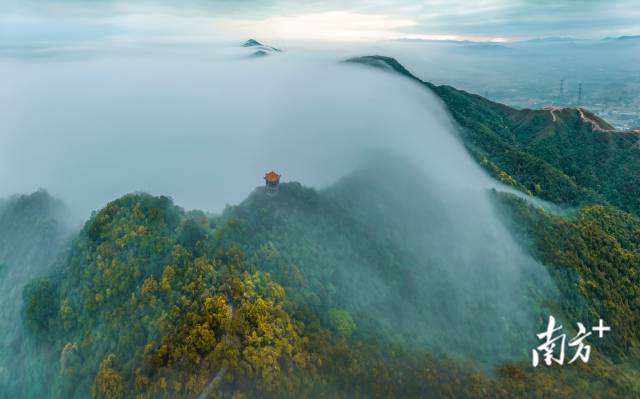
345	20
331	25
138	23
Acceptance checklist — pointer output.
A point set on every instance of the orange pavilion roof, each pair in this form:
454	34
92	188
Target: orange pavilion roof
272	177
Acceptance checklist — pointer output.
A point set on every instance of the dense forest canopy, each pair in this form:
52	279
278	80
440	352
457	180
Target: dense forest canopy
383	284
261	296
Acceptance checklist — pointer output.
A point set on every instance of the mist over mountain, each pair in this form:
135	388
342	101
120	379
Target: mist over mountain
143	129
406	256
366	250
419	240
33	230
565	155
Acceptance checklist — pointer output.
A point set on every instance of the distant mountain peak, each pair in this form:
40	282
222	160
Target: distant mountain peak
251	43
259	46
259	54
628	37
551	39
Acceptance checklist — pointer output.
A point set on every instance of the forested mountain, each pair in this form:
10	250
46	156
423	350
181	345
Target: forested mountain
564	155
32	233
383	284
313	294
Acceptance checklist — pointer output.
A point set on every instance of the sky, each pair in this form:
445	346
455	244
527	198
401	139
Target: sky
36	22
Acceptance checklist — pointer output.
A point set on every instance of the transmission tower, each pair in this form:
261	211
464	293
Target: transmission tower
580	93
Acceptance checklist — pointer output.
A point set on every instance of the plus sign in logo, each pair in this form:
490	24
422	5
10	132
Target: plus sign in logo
601	329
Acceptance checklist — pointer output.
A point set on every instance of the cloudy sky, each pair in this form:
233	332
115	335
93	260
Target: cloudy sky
23	21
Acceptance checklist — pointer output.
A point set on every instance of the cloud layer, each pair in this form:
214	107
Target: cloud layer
328	20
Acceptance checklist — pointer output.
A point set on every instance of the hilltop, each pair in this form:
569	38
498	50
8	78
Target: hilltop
261	50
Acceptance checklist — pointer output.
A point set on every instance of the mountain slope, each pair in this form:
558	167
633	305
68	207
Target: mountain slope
375	251
567	156
140	307
306	294
32	234
594	256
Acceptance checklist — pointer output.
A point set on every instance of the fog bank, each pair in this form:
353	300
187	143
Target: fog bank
203	124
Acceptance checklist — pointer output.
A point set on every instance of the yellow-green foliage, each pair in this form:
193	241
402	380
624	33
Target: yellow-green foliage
342	322
594	256
108	383
504	177
218	319
141	309
141	314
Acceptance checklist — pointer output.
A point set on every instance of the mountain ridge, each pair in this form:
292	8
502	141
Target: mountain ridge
567	156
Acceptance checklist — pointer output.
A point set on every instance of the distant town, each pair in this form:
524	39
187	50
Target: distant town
619	107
